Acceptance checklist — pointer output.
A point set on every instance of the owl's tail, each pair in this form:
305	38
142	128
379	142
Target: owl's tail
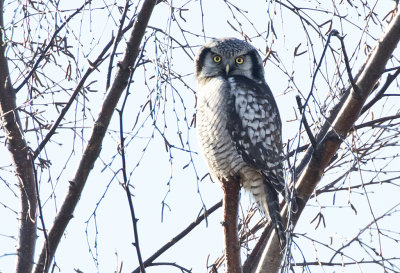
272	208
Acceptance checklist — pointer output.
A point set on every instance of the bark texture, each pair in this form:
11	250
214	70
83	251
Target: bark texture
22	161
231	190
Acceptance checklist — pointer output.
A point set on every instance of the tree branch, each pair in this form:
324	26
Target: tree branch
20	153
178	237
43	53
390	78
77	90
230	202
93	147
326	149
126	181
117	40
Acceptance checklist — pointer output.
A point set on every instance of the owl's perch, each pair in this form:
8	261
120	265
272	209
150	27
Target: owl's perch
231	189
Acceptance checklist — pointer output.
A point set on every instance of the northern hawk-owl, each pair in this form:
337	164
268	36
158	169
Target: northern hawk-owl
238	122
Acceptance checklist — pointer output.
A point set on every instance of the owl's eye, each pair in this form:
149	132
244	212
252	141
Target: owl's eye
239	60
217	58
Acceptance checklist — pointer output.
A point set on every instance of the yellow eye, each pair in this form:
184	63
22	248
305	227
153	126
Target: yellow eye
217	58
239	60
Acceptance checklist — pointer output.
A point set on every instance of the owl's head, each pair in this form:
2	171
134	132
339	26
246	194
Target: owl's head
228	57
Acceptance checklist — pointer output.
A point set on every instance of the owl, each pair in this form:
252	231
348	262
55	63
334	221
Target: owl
238	123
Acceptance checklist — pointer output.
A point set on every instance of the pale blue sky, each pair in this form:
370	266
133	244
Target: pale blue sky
150	179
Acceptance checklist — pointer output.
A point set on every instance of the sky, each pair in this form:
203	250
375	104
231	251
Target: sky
99	238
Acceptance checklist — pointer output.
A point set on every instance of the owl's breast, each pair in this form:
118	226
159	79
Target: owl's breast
214	103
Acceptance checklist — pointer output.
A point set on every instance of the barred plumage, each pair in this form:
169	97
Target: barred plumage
238	122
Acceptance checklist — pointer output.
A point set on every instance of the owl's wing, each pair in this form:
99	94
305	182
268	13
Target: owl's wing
256	128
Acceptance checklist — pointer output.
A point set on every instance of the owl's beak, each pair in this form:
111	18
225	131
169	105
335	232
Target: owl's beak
227	69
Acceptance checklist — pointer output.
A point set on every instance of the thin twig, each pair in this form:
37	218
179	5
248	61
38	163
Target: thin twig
296	171
126	181
297	150
390	78
341	264
117	40
181	235
346	62
305	123
52	39
183	47
93	66
41	217
373	123
93	147
172	264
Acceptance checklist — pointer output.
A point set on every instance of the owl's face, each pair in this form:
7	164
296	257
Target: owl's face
228	57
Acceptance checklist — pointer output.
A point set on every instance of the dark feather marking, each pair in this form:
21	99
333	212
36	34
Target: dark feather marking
273	211
257	71
255	155
200	60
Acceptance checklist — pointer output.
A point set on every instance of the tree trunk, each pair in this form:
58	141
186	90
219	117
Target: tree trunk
22	161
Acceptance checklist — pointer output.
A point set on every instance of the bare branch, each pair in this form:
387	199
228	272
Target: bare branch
43	53
326	149
117	40
373	123
93	147
178	237
126	181
381	93
20	153
172	264
77	90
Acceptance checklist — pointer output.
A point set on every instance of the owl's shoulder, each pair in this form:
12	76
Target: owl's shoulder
257	88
